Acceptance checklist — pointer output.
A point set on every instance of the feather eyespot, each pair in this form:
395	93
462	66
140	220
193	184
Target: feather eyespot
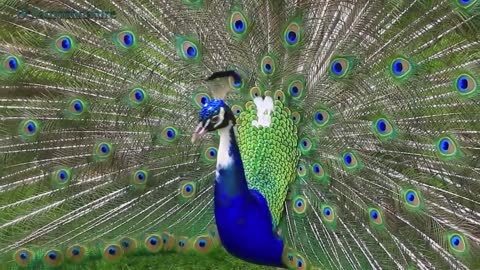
235	82
138	96
412	198
190	50
382	126
213	233
183	244
210	154
23	257
61	177
465	4
319	173
238	24
237	110
168	241
288	257
103	150
201	99
255	92
296	117
349	160
153	243
64	43
401	68
317	170
112	253
299	205
466	85
139	178
170	134
375	216
53	258
457	243
305	145
299	262
11	64
203	244
29	129
383	129
340	67
267	65
279	95
447	147
328	213
126	39
76	253
321	118
188	189
128	245
295	88
301	170
76	106
125	243
292	35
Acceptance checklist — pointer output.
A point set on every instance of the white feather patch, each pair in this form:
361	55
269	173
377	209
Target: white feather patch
264	111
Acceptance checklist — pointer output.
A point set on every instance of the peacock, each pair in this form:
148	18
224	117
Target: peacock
299	134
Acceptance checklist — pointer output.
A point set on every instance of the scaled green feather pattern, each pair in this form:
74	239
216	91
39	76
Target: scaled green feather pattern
270	155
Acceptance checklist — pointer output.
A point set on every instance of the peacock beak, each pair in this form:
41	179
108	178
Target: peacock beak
199	131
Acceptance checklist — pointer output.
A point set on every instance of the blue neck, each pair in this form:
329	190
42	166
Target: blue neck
243	218
232	181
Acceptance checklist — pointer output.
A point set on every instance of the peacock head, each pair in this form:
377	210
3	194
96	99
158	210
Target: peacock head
216	114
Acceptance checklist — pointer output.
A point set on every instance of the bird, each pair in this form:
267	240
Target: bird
298	134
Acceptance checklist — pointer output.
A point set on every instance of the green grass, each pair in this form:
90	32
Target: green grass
218	259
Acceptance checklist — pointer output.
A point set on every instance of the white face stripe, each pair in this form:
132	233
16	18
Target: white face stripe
221	116
206	123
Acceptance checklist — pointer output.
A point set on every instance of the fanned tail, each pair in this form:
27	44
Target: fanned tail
392	178
96	117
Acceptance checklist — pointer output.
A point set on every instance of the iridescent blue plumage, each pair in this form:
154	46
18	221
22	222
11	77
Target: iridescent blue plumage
211	108
243	219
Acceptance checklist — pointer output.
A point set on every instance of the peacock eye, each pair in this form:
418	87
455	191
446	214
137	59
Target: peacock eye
215	119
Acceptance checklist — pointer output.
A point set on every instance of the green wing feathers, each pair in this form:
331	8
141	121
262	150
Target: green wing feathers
371	159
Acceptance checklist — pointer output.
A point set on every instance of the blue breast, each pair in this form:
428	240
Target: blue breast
243	219
245	227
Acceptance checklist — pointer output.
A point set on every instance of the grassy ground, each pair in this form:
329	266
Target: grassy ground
219	259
